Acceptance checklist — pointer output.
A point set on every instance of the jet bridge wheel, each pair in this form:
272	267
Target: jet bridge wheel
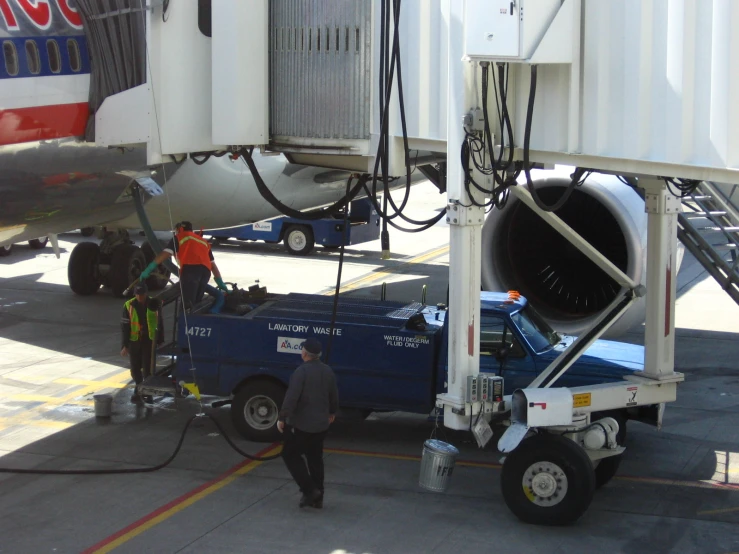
126	264
83	269
255	408
548	480
299	239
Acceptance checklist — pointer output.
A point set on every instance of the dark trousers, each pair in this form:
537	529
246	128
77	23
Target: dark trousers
308	472
193	279
139	355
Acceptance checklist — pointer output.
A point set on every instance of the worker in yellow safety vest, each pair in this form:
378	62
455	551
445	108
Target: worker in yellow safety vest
141	329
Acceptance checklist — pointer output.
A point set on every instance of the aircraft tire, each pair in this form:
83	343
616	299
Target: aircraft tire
87	231
83	269
299	240
38	244
255	408
126	264
6	250
155	282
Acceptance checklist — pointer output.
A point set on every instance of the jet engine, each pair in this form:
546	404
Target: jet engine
523	252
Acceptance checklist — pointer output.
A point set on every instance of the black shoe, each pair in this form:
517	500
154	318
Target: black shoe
318	503
311	498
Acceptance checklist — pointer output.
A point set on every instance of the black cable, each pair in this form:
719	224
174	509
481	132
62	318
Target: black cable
143	469
335	309
287	210
527	166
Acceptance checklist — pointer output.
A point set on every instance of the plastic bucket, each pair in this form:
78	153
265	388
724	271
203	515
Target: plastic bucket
437	465
103	405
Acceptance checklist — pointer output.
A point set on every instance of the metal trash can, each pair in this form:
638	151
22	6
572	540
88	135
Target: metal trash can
103	405
437	465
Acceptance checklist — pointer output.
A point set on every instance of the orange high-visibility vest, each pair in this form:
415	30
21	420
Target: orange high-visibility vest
192	249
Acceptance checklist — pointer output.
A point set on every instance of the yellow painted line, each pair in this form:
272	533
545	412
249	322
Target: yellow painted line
379	275
721	511
167	511
21	421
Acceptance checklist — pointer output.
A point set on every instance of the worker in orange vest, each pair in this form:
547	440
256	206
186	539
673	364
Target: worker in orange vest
196	263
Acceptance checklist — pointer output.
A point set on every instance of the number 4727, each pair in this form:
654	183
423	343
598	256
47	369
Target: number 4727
199	331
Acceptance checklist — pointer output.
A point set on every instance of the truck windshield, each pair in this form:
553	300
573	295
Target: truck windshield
537	331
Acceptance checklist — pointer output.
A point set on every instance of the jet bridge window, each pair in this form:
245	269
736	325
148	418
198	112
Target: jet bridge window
11	58
204	17
55	57
33	60
495	336
73	50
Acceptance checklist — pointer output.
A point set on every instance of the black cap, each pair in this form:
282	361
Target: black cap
186	225
140	288
312	346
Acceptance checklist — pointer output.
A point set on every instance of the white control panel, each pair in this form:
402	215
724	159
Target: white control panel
505	29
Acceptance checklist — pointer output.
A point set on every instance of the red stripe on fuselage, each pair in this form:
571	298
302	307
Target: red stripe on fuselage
19	125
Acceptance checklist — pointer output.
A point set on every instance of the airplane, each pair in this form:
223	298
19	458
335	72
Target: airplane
52	179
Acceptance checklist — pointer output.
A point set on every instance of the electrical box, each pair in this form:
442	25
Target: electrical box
507	30
484	388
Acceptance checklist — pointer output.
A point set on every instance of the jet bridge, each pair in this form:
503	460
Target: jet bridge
646	93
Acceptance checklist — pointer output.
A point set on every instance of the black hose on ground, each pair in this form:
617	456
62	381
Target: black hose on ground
143	469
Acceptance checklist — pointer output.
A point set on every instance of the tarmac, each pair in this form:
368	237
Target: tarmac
677	490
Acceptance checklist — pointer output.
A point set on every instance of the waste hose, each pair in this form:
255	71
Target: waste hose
143	469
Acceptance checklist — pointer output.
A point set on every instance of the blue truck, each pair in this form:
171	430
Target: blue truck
387	356
301	235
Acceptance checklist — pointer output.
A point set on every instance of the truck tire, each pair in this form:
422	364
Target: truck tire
6	250
255	408
155	282
126	264
38	244
83	270
548	480
299	240
606	468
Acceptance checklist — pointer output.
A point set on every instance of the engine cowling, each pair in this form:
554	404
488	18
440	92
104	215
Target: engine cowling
522	252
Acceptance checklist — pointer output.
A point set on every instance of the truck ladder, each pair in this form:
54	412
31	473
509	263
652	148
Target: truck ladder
709	229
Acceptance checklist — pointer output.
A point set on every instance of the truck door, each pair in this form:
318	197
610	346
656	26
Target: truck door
502	352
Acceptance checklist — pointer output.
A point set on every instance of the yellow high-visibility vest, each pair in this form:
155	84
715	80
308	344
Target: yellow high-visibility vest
151	320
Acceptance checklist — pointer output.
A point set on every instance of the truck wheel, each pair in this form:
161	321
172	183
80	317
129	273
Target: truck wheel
126	264
606	468
299	240
548	480
83	270
87	231
255	408
155	282
6	250
38	244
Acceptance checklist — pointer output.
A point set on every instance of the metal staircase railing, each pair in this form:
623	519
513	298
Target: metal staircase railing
709	228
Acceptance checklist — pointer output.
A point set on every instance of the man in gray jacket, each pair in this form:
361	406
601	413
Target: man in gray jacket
309	408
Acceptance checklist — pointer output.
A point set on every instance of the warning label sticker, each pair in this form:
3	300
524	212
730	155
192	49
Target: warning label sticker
631	393
581	400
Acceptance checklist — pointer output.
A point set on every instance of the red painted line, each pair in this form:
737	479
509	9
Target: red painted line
173	503
18	125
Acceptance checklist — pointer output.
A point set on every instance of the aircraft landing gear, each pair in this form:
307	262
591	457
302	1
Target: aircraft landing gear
116	263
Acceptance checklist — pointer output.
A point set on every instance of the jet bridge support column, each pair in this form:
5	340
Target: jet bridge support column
465	224
659	336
